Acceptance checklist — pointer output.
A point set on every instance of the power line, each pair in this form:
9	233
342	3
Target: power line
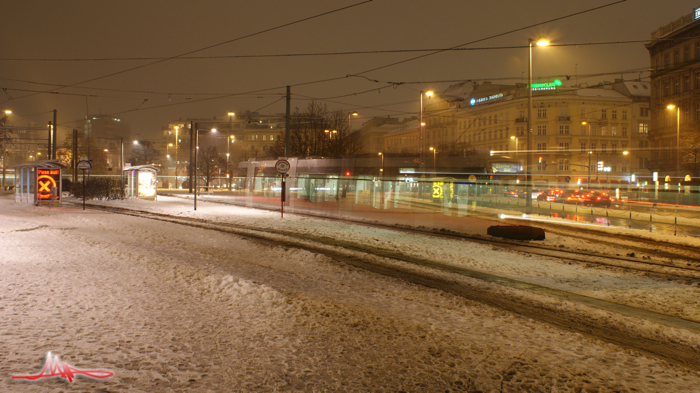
349	53
491	37
216	45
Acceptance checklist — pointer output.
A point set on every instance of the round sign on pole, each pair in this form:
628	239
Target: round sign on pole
282	166
84	165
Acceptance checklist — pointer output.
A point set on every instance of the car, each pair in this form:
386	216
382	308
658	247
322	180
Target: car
596	198
549	195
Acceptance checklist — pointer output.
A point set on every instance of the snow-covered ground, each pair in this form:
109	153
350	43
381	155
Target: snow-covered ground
168	307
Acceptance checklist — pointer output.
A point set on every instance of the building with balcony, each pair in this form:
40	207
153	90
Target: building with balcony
601	128
674	132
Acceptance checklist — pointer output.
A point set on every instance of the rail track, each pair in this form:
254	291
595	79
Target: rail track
487	288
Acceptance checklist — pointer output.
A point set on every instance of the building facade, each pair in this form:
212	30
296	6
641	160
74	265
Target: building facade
674	133
601	130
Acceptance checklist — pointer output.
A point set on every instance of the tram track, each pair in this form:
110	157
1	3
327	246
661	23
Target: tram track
672	261
486	288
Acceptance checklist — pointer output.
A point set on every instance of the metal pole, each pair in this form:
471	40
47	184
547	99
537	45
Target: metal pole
196	157
678	151
287	121
48	150
54	136
528	160
192	125
589	156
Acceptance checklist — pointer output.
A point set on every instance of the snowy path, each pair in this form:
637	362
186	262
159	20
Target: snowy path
166	307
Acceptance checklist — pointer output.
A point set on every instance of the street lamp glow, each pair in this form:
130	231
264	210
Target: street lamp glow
232	114
670	106
213	130
136	142
8	112
355	113
107	150
624	153
429	93
542	41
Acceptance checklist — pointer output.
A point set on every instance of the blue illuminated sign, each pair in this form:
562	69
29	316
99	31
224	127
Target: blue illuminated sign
697	13
475	101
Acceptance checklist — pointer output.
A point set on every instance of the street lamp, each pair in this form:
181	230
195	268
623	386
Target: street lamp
434	150
422	130
196	159
515	138
353	113
678	136
231	139
589	153
381	169
528	176
4	142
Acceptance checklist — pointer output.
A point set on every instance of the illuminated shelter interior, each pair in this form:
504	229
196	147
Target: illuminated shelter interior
141	181
39	182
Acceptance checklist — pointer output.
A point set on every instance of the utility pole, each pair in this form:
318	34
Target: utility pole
50	139
287	121
74	165
54	136
192	169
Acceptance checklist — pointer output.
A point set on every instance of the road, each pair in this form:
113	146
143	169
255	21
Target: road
168	307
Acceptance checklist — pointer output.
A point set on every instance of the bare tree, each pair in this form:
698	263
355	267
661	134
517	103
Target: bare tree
690	153
145	153
211	164
319	132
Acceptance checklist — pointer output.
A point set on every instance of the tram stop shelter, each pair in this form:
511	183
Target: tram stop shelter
39	182
141	181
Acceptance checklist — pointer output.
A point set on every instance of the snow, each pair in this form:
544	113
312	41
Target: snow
168	307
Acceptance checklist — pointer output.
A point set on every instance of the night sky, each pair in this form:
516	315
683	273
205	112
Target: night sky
93	39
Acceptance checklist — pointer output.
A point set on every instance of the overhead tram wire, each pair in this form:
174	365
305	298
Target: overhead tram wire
350	53
636	70
490	37
212	46
385	66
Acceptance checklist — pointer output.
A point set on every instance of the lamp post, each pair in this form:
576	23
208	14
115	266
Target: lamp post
629	171
353	113
678	136
177	128
422	130
4	143
528	163
231	139
678	144
167	154
515	138
381	180
196	159
589	153
434	150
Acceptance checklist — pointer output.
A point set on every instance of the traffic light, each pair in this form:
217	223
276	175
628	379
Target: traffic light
539	159
347	173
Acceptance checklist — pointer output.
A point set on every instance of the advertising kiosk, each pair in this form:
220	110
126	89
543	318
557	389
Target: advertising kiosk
141	181
39	182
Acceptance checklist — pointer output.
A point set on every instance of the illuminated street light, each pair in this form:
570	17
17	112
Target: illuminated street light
421	131
528	176
678	136
196	159
589	153
434	150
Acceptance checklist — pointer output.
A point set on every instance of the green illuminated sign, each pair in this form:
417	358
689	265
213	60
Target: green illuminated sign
546	86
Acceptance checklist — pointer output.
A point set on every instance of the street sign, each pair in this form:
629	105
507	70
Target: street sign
84	165
282	166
